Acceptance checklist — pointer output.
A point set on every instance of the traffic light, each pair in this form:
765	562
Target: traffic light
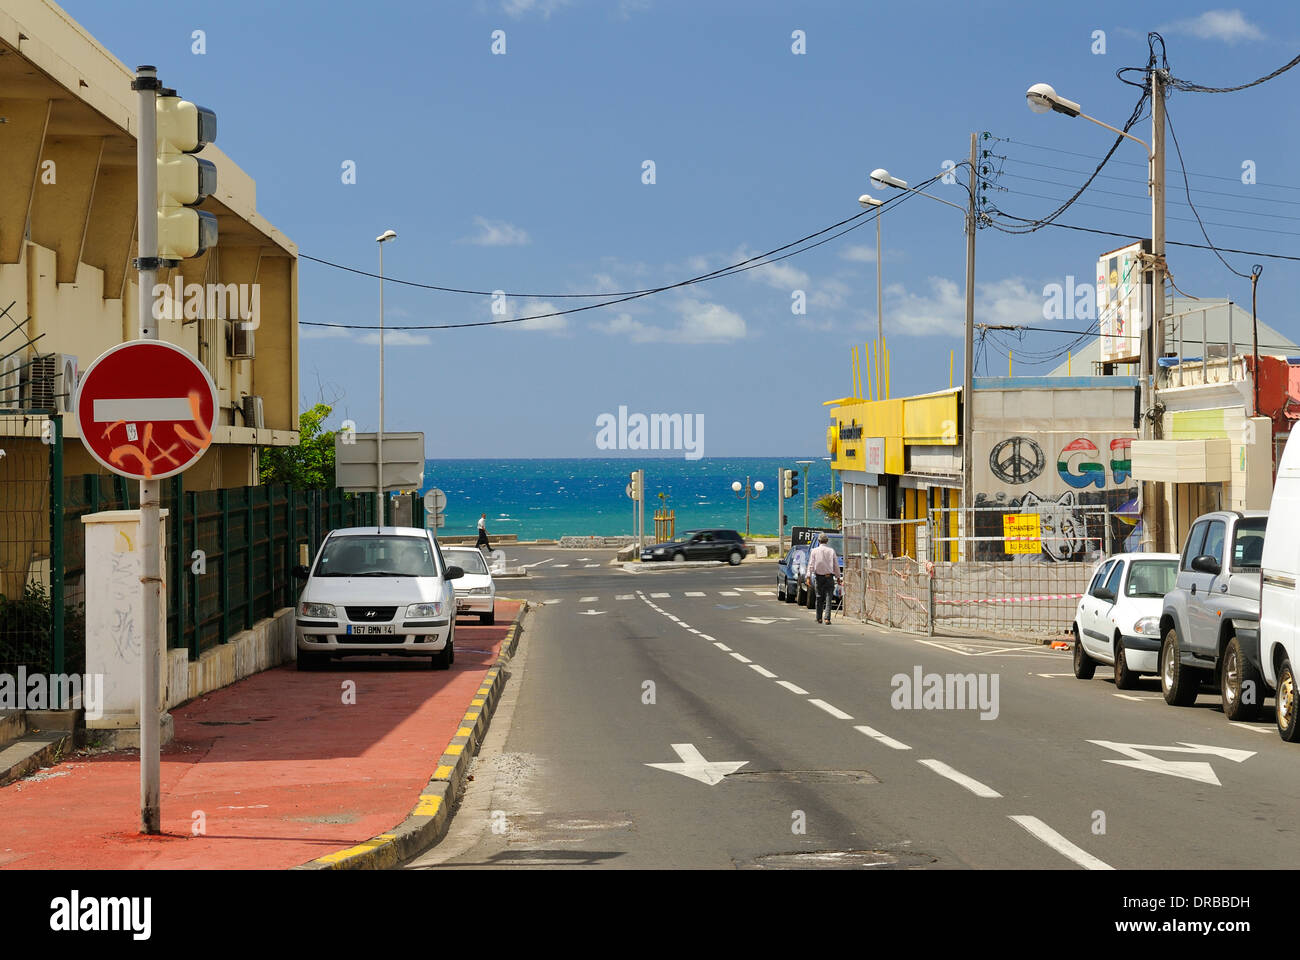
790	483
636	484
184	180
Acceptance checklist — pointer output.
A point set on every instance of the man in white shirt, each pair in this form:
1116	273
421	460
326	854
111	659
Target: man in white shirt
482	533
822	567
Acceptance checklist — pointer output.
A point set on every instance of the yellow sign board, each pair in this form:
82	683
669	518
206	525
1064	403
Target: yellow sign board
1022	532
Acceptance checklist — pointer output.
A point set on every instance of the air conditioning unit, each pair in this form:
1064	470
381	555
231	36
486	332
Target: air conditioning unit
241	343
52	383
253	412
13	383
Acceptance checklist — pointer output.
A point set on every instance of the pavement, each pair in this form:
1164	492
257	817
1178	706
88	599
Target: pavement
272	772
690	720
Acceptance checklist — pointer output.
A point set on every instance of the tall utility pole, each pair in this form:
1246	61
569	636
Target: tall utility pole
1153	340
381	500
146	158
968	360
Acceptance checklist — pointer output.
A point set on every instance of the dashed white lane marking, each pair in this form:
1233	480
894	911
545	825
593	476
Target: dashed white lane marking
625	596
721	646
887	741
1061	845
695	593
742	659
1251	727
835	712
765	593
660	596
1049	676
588	599
1125	696
956	776
588	566
792	687
762	671
559	566
691	629
728	593
705	636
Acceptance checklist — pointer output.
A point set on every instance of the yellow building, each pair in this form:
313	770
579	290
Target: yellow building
68	235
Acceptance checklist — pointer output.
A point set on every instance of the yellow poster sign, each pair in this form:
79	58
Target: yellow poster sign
1022	532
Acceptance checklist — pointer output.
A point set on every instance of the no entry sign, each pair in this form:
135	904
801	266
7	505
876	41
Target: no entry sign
146	409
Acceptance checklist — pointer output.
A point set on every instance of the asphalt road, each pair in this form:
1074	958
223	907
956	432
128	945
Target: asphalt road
803	751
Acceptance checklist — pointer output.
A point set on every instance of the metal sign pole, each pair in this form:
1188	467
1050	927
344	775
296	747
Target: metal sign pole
146	85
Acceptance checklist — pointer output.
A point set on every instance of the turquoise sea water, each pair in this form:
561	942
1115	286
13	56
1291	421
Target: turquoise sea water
547	499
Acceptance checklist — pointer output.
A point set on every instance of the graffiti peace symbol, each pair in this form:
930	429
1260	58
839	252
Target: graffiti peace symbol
1017	460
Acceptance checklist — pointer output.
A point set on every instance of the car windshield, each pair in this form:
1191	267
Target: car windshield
471	561
1151	578
1248	542
376	556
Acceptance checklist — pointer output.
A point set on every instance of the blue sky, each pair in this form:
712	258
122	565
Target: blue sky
523	172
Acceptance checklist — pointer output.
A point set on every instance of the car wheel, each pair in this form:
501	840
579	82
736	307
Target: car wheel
1288	704
780	591
488	618
1125	679
679	558
1236	676
1084	665
445	657
735	558
801	598
1177	682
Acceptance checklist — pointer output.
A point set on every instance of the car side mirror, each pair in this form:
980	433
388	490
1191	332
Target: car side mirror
1102	593
1205	563
301	572
454	573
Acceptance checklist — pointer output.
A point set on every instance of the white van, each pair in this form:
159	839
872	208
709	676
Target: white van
1279	603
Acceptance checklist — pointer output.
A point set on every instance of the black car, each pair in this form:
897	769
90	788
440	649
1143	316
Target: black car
714	544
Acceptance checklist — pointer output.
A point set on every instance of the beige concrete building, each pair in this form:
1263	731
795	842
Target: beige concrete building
68	235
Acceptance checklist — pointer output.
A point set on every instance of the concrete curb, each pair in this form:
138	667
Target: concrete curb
428	821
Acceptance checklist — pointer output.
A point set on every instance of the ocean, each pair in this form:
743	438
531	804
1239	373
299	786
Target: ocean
548	499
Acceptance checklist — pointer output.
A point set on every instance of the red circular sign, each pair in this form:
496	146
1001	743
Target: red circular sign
146	409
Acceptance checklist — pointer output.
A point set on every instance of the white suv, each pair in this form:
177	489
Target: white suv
377	590
1118	619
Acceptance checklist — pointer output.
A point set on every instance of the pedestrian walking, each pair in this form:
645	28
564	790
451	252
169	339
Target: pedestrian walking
822	564
482	533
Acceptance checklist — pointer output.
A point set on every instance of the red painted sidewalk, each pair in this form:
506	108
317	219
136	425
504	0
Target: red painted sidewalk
277	768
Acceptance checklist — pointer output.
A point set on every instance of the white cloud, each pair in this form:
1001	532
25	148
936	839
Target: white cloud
943	309
628	7
700	323
830	294
859	253
544	8
1230	26
782	276
533	308
397	338
498	233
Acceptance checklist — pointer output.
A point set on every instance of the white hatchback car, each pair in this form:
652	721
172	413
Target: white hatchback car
377	590
476	592
1117	621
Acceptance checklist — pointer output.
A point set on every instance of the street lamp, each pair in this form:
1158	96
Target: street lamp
1042	98
805	464
829	464
866	200
750	493
379	437
882	177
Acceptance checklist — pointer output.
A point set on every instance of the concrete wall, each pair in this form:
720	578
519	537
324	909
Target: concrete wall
269	643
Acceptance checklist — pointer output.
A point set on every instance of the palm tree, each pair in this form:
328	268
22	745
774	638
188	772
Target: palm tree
832	506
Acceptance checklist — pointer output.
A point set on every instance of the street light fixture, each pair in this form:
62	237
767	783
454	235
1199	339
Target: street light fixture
379	437
866	200
882	176
1042	99
750	493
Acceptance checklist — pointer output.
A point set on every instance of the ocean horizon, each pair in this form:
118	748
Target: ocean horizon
544	499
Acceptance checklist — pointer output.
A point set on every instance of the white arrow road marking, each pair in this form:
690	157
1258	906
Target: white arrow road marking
1061	845
590	613
537	563
765	621
1197	770
1251	727
956	776
887	741
694	765
140	409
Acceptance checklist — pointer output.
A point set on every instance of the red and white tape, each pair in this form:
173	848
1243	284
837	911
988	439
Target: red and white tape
1041	596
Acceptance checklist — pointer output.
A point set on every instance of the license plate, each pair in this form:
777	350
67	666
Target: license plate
371	629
